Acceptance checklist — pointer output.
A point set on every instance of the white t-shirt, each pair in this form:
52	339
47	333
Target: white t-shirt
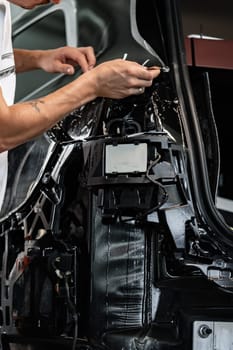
7	79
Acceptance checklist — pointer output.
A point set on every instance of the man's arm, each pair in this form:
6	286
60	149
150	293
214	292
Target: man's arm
61	60
24	121
26	60
113	79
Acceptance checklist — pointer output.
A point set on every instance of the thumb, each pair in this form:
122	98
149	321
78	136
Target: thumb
65	68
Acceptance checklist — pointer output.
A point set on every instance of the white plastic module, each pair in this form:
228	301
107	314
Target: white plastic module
126	158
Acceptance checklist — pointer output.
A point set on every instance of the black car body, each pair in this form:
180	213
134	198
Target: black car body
110	235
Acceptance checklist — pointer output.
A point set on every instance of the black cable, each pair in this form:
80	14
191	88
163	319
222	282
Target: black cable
161	187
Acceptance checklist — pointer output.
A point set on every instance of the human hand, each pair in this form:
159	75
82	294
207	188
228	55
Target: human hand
65	59
121	78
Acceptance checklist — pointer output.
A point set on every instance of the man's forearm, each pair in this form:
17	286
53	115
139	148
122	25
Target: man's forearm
26	60
114	79
24	121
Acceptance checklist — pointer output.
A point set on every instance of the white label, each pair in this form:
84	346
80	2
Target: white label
126	158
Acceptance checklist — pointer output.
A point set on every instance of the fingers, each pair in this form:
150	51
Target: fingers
155	71
72	56
89	55
140	76
148	73
120	78
141	90
65	68
65	59
137	91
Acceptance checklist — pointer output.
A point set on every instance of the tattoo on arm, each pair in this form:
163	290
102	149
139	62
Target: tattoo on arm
35	104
